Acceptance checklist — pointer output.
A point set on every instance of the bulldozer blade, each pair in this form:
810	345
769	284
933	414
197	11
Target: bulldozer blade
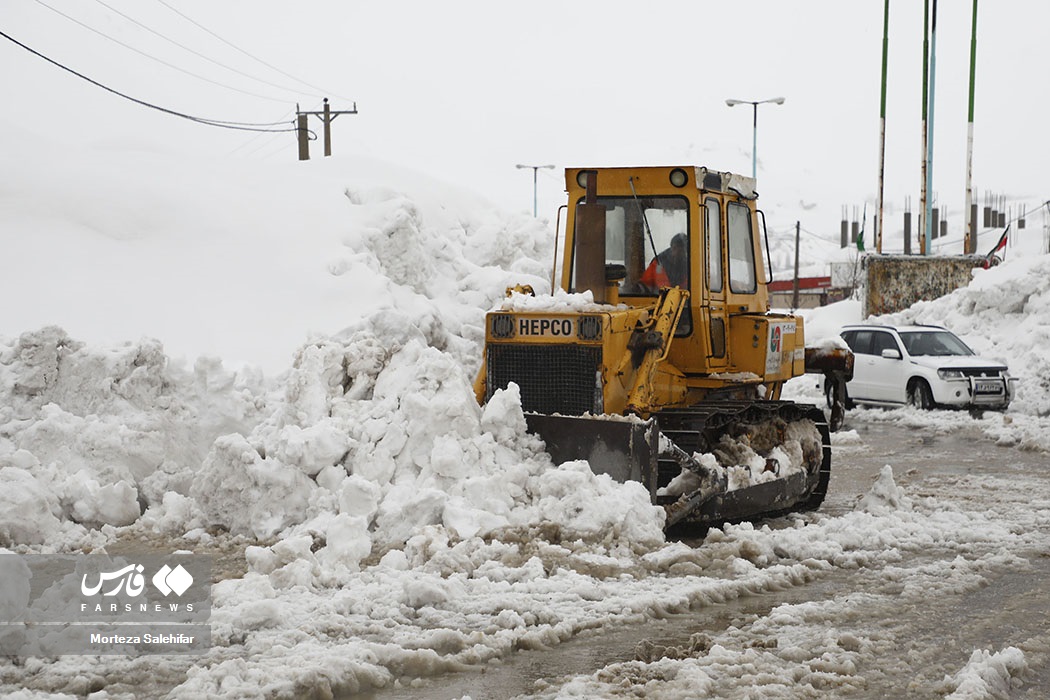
830	359
712	503
836	364
624	449
767	499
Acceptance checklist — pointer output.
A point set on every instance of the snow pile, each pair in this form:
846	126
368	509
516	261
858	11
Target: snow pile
398	448
463	256
988	675
558	302
373	436
378	435
884	495
89	437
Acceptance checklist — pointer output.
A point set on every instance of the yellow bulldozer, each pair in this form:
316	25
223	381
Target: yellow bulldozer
657	358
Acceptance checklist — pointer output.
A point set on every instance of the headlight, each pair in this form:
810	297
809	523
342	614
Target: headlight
502	326
590	328
950	373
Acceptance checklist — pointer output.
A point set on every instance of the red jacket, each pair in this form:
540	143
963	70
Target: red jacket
655	276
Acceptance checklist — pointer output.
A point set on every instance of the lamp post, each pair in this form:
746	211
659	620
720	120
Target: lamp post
754	131
535	169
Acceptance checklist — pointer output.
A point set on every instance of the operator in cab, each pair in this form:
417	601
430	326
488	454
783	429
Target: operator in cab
671	267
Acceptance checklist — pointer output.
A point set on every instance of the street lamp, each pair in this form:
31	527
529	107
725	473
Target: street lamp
535	169
754	131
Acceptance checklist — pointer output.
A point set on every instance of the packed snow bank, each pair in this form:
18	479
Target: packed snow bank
404	445
92	436
373	434
240	260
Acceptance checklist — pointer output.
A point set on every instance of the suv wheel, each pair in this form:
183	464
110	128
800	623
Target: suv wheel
919	395
830	399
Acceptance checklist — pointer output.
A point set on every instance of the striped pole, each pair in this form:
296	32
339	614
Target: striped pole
970	244
929	128
882	127
925	102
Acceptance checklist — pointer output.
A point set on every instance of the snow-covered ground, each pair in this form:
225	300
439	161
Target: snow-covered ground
278	360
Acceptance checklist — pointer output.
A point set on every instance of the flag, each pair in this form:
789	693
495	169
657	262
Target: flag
989	259
1000	245
863	221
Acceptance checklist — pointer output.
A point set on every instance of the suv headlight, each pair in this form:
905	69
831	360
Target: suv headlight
950	373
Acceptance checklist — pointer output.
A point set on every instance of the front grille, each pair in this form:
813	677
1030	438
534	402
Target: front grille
552	378
979	372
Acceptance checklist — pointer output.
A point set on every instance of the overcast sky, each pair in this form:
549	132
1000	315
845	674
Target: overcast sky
466	90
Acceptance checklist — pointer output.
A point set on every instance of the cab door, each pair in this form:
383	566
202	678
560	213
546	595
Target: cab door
716	313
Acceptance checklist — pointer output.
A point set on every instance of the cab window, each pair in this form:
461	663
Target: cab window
646	235
742	278
713	230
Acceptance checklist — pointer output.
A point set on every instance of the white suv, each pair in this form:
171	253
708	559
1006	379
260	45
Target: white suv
925	366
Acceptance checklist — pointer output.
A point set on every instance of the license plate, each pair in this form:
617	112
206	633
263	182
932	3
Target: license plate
988	387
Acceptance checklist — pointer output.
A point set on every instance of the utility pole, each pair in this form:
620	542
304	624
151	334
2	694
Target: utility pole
302	134
327	116
794	297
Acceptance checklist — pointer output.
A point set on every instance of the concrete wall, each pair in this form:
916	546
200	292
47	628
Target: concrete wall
808	299
895	282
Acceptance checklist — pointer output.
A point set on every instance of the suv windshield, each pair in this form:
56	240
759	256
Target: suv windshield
934	343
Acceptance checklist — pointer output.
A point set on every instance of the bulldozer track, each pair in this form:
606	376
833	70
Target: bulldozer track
699	428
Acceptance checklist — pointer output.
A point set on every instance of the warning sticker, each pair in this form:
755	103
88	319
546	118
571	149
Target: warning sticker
778	333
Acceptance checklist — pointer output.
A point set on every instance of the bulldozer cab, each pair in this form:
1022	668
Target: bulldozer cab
632	231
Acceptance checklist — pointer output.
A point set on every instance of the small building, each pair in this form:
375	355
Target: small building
812	292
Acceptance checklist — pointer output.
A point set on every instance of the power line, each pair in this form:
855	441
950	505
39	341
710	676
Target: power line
260	135
241	126
154	58
195	53
817	236
254	58
941	244
271	153
263	144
